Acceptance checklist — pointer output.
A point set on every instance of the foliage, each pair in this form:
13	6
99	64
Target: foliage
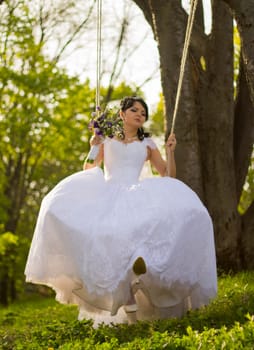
13	251
8	266
44	116
8	254
227	323
157	120
118	92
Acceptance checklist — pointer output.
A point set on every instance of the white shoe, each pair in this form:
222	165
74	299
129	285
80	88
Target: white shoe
131	313
131	308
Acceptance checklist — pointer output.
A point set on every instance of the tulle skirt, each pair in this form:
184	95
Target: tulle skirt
90	231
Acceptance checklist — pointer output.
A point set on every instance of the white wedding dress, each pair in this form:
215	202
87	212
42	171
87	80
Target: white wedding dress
93	225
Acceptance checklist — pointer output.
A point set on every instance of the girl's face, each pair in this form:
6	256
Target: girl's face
134	116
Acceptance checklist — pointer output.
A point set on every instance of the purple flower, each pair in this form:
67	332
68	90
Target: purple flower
98	132
90	125
101	117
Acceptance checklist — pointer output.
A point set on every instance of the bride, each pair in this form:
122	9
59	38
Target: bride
121	248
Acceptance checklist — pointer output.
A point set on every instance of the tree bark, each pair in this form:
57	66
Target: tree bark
243	131
216	127
4	282
248	237
243	148
243	11
169	19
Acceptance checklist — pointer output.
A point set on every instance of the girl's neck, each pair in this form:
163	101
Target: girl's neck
130	133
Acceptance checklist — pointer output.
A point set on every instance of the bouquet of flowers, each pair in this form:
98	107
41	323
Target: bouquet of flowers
105	124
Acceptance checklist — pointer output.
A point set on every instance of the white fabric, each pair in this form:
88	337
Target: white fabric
93	225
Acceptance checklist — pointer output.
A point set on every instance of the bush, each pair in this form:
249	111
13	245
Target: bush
11	266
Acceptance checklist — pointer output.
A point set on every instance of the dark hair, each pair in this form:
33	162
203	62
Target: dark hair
128	102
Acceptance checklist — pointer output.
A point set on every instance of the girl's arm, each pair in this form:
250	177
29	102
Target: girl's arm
95	140
165	168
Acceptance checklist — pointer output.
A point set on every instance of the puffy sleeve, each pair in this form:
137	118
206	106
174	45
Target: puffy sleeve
147	170
150	143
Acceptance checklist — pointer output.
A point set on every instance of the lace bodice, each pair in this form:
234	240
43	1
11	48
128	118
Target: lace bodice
123	162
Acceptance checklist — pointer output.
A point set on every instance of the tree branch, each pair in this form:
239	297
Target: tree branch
149	78
118	49
74	34
146	9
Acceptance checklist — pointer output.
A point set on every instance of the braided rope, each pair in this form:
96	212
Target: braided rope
184	58
98	58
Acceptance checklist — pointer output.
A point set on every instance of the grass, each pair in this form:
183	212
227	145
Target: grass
227	323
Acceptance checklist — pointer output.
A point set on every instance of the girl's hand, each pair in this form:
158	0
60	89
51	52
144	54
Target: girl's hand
171	143
95	140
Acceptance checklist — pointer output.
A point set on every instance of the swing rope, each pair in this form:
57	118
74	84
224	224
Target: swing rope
98	58
184	58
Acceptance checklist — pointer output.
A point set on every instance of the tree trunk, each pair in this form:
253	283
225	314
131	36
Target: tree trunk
244	119
188	152
4	282
216	134
248	237
13	289
243	130
243	11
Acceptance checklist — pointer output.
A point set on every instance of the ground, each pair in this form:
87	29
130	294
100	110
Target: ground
37	322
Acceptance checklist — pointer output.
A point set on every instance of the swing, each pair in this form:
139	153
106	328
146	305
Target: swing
95	149
189	27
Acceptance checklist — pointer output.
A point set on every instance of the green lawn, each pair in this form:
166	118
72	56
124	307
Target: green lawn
227	323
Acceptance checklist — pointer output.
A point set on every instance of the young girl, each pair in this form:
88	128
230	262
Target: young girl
122	248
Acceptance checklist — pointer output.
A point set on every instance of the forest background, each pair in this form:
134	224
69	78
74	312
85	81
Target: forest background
45	110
